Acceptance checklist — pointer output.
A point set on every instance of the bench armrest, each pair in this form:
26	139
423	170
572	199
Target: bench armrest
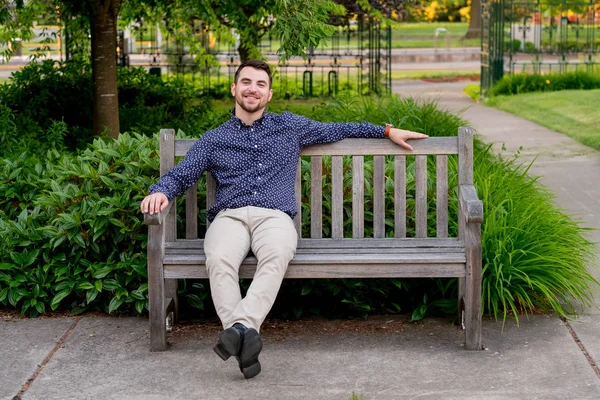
470	204
157	219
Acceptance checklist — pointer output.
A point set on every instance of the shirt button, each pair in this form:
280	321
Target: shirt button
256	146
254	193
260	164
258	178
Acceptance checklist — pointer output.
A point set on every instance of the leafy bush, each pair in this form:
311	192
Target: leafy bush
41	94
526	83
71	235
512	45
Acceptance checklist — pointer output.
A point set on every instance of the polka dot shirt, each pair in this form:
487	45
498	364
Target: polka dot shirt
256	165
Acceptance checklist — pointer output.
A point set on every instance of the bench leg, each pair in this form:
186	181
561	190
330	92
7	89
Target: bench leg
171	286
472	289
461	302
156	290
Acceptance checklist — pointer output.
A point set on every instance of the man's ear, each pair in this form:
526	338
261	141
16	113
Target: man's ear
270	95
233	89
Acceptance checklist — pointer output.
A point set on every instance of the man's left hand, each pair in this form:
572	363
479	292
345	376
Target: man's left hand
400	136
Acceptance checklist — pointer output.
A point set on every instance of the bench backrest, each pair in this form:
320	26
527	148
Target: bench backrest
357	149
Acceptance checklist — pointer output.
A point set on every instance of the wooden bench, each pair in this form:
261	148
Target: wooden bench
171	258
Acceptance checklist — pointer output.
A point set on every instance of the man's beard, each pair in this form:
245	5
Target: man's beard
250	109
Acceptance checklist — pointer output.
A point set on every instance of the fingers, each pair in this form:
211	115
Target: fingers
154	203
400	136
405	145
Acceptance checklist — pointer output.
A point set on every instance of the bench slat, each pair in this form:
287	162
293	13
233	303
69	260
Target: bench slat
358	197
316	197
400	196
337	271
379	196
421	196
344	258
361	147
344	243
298	195
388	250
211	195
191	212
442	196
337	197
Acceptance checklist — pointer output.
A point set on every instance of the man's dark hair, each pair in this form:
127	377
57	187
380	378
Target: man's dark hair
256	64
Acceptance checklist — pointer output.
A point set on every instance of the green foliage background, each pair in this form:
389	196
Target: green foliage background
72	238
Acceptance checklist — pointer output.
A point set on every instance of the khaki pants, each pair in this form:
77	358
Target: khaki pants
273	239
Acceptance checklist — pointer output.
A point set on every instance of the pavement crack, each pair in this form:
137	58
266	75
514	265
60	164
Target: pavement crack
582	347
41	366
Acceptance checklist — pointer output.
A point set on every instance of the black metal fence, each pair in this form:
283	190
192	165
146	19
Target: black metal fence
357	58
538	37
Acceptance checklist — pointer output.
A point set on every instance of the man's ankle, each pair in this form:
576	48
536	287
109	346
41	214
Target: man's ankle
241	328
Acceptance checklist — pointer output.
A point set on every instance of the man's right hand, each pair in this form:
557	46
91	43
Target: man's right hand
154	203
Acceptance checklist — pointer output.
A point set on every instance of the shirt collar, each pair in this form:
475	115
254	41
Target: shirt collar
240	124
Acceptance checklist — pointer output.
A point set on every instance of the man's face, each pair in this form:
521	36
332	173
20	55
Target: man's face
252	91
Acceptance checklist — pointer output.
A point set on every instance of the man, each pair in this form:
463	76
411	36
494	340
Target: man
253	158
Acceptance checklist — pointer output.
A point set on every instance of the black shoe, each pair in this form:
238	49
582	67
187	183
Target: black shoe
248	357
230	343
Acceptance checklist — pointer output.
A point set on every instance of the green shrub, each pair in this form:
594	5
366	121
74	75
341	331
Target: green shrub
512	45
71	235
40	94
526	83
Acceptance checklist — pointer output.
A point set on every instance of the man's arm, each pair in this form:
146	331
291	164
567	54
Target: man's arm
313	132
178	179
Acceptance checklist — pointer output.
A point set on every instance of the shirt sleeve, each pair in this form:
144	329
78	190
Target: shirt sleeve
313	132
186	173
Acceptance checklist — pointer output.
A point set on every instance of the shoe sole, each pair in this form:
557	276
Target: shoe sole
248	358
229	343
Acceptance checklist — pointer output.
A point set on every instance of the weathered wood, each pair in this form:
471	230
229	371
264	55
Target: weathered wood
316	197
298	196
198	255
421	196
472	290
470	205
362	147
356	270
379	196
465	156
400	196
156	287
344	243
191	213
358	197
441	200
339	257
157	219
167	162
211	193
337	197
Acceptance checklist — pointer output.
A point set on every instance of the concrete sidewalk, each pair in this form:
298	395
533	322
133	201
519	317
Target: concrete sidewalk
380	358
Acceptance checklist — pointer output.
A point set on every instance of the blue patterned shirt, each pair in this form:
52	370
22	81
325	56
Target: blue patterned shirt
256	165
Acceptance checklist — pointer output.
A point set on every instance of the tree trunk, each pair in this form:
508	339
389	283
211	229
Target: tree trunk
103	22
474	30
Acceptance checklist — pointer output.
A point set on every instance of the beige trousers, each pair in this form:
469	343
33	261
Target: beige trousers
272	237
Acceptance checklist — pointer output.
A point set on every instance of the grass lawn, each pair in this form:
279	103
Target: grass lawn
572	112
399	75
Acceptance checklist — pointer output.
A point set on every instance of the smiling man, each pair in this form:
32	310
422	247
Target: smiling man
253	158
